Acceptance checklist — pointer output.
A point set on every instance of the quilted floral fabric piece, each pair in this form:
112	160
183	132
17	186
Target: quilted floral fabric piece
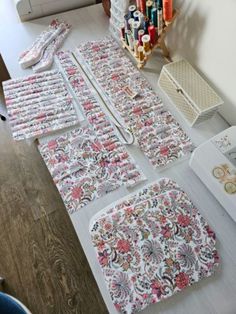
151	245
85	167
33	54
38	104
159	135
85	96
47	59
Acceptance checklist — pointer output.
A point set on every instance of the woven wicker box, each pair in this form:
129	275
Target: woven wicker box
190	93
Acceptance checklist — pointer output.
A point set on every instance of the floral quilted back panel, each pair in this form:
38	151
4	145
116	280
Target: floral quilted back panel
152	245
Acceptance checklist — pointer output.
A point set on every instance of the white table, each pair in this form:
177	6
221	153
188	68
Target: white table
213	295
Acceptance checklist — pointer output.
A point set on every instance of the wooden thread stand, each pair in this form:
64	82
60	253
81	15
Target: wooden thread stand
160	43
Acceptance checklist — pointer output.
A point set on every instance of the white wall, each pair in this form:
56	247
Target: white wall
205	34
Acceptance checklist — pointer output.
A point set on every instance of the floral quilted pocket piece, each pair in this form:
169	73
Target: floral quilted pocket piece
84	169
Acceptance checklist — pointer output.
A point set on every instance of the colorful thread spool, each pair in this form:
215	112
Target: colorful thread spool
141	54
138	4
140	35
127	26
126	39
136	45
152	34
167	10
132	9
136	26
159	4
141	18
145	25
130	40
131	22
146	44
137	16
142	4
122	31
160	21
149	4
154	16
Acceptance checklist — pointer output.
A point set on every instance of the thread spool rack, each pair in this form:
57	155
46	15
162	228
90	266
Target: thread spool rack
160	43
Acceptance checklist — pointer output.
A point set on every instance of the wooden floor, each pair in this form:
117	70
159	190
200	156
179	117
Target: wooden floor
42	260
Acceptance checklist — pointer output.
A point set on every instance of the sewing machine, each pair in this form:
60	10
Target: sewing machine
30	9
214	162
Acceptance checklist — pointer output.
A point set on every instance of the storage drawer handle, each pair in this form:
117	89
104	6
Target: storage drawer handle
179	90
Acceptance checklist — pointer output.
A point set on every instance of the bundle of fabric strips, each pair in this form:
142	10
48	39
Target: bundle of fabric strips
40	55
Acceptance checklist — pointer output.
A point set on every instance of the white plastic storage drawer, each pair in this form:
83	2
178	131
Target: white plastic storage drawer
190	93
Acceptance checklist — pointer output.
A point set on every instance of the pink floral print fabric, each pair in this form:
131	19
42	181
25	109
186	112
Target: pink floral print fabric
85	167
159	135
89	104
151	245
47	59
96	117
34	54
38	104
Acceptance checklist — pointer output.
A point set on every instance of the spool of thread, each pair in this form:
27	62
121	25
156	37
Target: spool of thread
136	26
122	31
152	34
149	4
131	22
142	4
127	26
160	21
140	35
138	4
167	10
137	16
154	16
141	54
126	38
132	9
141	18
130	40
136	45
146	44
145	25
159	4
